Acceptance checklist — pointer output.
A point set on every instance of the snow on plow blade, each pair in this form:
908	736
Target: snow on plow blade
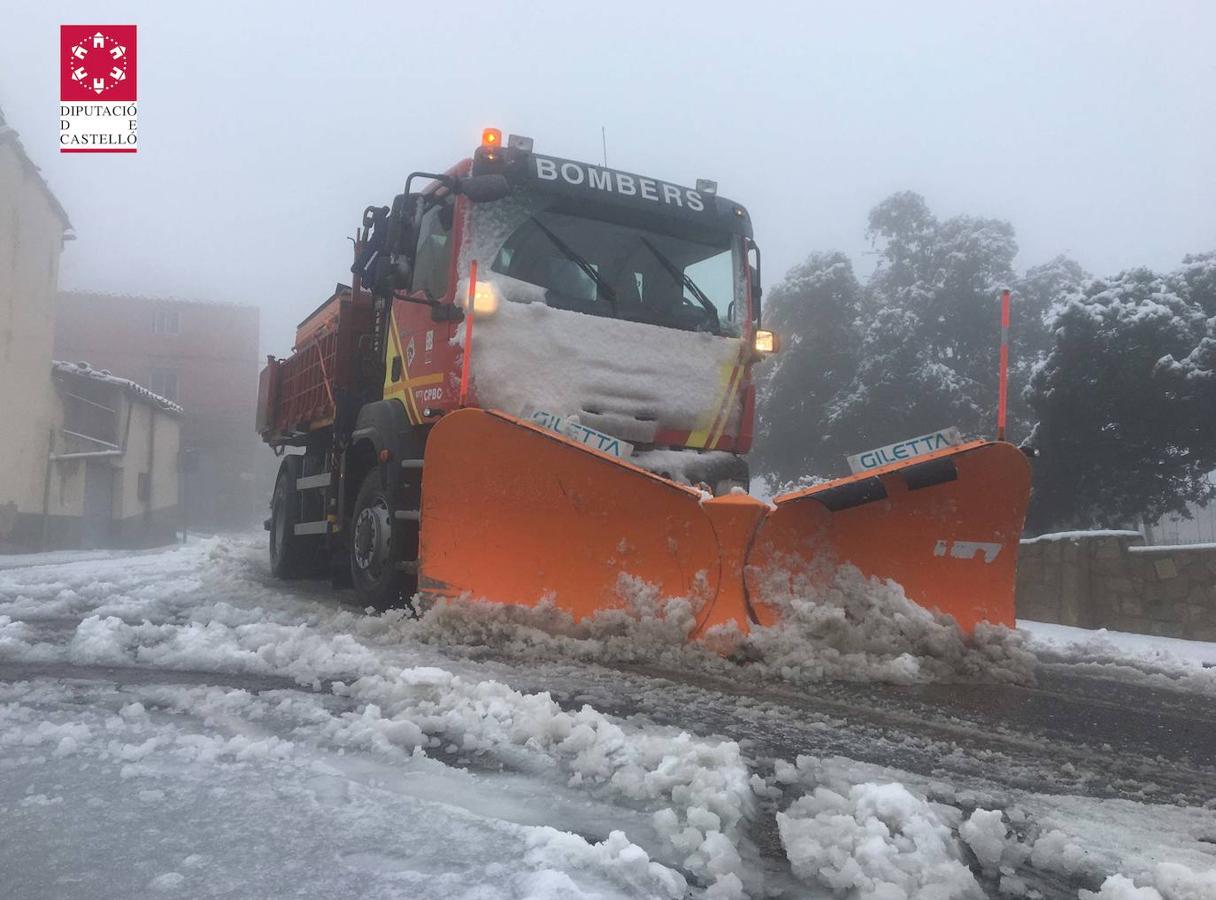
945	526
517	514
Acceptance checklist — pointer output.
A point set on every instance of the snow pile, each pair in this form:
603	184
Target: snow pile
866	629
555	853
144	769
851	628
701	787
295	651
878	840
985	833
1170	881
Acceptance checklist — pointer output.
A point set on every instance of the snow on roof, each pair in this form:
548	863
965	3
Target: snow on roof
136	391
74	294
8	135
1171	548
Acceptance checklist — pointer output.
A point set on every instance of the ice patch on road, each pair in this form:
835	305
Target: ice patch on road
853	628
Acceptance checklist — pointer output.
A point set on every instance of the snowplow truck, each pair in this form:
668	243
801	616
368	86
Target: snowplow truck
537	388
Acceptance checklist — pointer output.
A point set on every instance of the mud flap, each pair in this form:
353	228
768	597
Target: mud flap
945	526
517	514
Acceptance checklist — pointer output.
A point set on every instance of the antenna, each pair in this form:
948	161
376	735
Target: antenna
1003	371
604	141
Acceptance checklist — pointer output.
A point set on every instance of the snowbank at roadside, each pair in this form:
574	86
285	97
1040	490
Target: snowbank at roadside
1101	641
1138	658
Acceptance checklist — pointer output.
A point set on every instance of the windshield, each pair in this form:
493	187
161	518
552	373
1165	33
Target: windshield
620	270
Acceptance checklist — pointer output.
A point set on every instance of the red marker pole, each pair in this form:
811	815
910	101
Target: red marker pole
468	335
1003	394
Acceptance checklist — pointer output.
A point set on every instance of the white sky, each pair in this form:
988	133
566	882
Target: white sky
267	127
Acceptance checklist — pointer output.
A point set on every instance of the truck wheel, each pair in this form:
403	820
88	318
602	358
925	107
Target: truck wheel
373	556
288	550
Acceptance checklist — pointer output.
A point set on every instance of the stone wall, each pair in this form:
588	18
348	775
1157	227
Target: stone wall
1111	580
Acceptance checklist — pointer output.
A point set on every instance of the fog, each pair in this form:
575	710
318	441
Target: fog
266	128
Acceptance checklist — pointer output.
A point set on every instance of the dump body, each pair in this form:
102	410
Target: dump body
298	394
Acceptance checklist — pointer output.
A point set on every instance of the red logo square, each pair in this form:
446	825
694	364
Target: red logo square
97	62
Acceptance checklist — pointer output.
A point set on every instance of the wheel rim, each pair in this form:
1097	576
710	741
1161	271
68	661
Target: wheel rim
371	538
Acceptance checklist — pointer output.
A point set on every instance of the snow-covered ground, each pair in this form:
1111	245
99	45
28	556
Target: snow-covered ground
1089	643
178	722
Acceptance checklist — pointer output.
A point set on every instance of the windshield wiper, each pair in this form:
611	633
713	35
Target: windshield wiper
571	254
683	278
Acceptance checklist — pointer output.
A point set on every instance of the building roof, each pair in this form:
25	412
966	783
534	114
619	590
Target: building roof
135	391
8	135
84	294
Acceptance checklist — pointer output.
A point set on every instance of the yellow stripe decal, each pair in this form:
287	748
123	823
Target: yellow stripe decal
406	386
726	376
398	388
735	380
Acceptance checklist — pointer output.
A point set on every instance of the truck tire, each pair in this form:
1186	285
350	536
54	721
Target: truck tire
289	552
374	547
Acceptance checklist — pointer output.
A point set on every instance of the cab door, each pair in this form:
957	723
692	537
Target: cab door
422	369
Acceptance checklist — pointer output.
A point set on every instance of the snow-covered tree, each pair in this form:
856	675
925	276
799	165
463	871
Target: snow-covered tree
1196	281
1126	400
815	311
930	330
1035	295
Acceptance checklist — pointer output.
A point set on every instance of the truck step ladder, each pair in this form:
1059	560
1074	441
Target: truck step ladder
312	482
321	527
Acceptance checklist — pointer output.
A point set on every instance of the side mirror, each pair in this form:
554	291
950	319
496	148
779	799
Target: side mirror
753	264
483	188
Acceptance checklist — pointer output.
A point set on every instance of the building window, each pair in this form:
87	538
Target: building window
90	415
166	321
164	383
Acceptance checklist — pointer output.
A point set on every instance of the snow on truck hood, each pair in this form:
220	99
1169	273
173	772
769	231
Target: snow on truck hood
625	378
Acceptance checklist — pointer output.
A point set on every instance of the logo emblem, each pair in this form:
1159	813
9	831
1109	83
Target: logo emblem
97	108
97	62
409	352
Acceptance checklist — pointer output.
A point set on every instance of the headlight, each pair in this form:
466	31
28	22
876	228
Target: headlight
486	299
765	342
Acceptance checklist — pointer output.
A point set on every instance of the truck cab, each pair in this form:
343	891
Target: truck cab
617	310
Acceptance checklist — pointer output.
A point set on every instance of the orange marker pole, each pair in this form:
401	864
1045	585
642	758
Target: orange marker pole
468	335
1003	393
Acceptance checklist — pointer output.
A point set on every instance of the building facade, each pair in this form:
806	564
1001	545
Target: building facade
202	356
33	228
112	479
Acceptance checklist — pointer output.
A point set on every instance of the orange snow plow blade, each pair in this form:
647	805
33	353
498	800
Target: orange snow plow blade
945	526
514	513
